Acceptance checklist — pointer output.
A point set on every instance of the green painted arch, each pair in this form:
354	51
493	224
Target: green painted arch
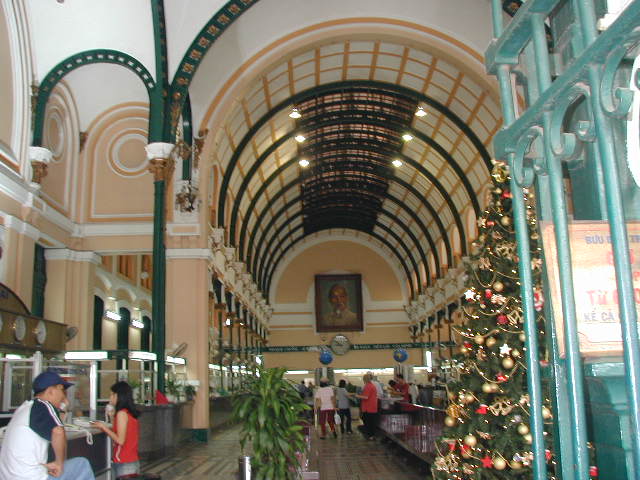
407	251
258	268
201	44
275	145
336	86
407	160
268	279
260	271
74	62
255	269
277	172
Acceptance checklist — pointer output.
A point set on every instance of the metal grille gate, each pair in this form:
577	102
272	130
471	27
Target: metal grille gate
567	93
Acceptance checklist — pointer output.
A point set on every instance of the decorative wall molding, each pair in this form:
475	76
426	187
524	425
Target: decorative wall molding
112	229
72	255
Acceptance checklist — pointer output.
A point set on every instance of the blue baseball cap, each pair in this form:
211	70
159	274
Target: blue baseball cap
48	379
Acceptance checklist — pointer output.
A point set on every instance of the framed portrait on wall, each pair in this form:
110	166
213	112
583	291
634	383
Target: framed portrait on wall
338	303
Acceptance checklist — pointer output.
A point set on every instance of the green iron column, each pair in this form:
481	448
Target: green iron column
161	165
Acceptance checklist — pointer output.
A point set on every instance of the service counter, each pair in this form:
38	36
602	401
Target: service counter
97	449
160	431
414	427
220	411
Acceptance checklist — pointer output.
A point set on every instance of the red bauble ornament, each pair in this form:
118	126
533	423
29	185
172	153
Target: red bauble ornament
487	462
502	319
501	377
507	194
488	293
490	223
593	471
482	409
538	300
452	446
467	344
547	455
464	448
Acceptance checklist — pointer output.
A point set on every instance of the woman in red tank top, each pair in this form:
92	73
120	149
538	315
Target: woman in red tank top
125	430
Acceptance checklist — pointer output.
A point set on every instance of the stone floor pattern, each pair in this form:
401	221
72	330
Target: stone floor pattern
346	458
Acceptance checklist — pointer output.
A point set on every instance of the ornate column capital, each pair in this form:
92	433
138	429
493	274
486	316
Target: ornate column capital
160	160
40	157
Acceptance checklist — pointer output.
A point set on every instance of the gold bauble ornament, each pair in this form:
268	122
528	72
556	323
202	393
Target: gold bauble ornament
498	286
515	353
505	221
464	350
450	421
515	465
508	362
495	387
500	172
479	339
523	429
454	410
528	438
451	395
490	342
469	398
499	463
522	337
470	440
487	388
546	413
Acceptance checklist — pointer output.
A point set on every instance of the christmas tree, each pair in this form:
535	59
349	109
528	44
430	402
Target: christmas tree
486	433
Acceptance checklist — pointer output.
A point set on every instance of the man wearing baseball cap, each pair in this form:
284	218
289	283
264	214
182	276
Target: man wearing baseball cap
35	425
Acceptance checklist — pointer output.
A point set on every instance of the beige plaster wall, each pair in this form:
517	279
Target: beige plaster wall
294	283
293	322
118	184
187	313
69	298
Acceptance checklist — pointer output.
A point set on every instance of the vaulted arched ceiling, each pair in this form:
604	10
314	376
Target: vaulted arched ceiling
356	98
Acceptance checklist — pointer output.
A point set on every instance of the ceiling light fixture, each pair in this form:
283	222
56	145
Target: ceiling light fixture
295	113
300	138
420	112
407	137
396	163
303	162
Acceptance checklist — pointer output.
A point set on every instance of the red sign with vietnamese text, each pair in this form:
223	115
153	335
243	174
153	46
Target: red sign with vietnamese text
594	282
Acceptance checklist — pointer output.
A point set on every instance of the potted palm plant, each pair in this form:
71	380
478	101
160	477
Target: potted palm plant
270	414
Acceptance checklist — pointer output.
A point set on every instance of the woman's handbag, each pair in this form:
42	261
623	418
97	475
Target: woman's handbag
336	418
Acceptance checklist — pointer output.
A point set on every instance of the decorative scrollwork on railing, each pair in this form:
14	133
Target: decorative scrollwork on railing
565	145
523	161
616	101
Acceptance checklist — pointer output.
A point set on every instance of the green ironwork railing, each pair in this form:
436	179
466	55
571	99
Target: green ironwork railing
537	146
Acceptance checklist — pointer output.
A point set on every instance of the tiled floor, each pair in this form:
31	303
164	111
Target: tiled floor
346	458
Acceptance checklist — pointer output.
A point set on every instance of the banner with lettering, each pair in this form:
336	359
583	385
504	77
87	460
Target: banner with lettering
594	282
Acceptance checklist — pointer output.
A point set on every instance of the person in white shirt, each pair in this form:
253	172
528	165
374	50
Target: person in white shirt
325	402
33	427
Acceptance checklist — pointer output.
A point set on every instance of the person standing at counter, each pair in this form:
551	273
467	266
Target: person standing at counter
33	427
125	431
369	408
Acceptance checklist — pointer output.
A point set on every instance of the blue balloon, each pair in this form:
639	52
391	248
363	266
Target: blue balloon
326	358
400	355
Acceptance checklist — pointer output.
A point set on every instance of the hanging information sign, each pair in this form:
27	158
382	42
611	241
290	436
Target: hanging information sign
594	282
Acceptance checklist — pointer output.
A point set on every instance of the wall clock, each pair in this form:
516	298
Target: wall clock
41	332
340	345
19	328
